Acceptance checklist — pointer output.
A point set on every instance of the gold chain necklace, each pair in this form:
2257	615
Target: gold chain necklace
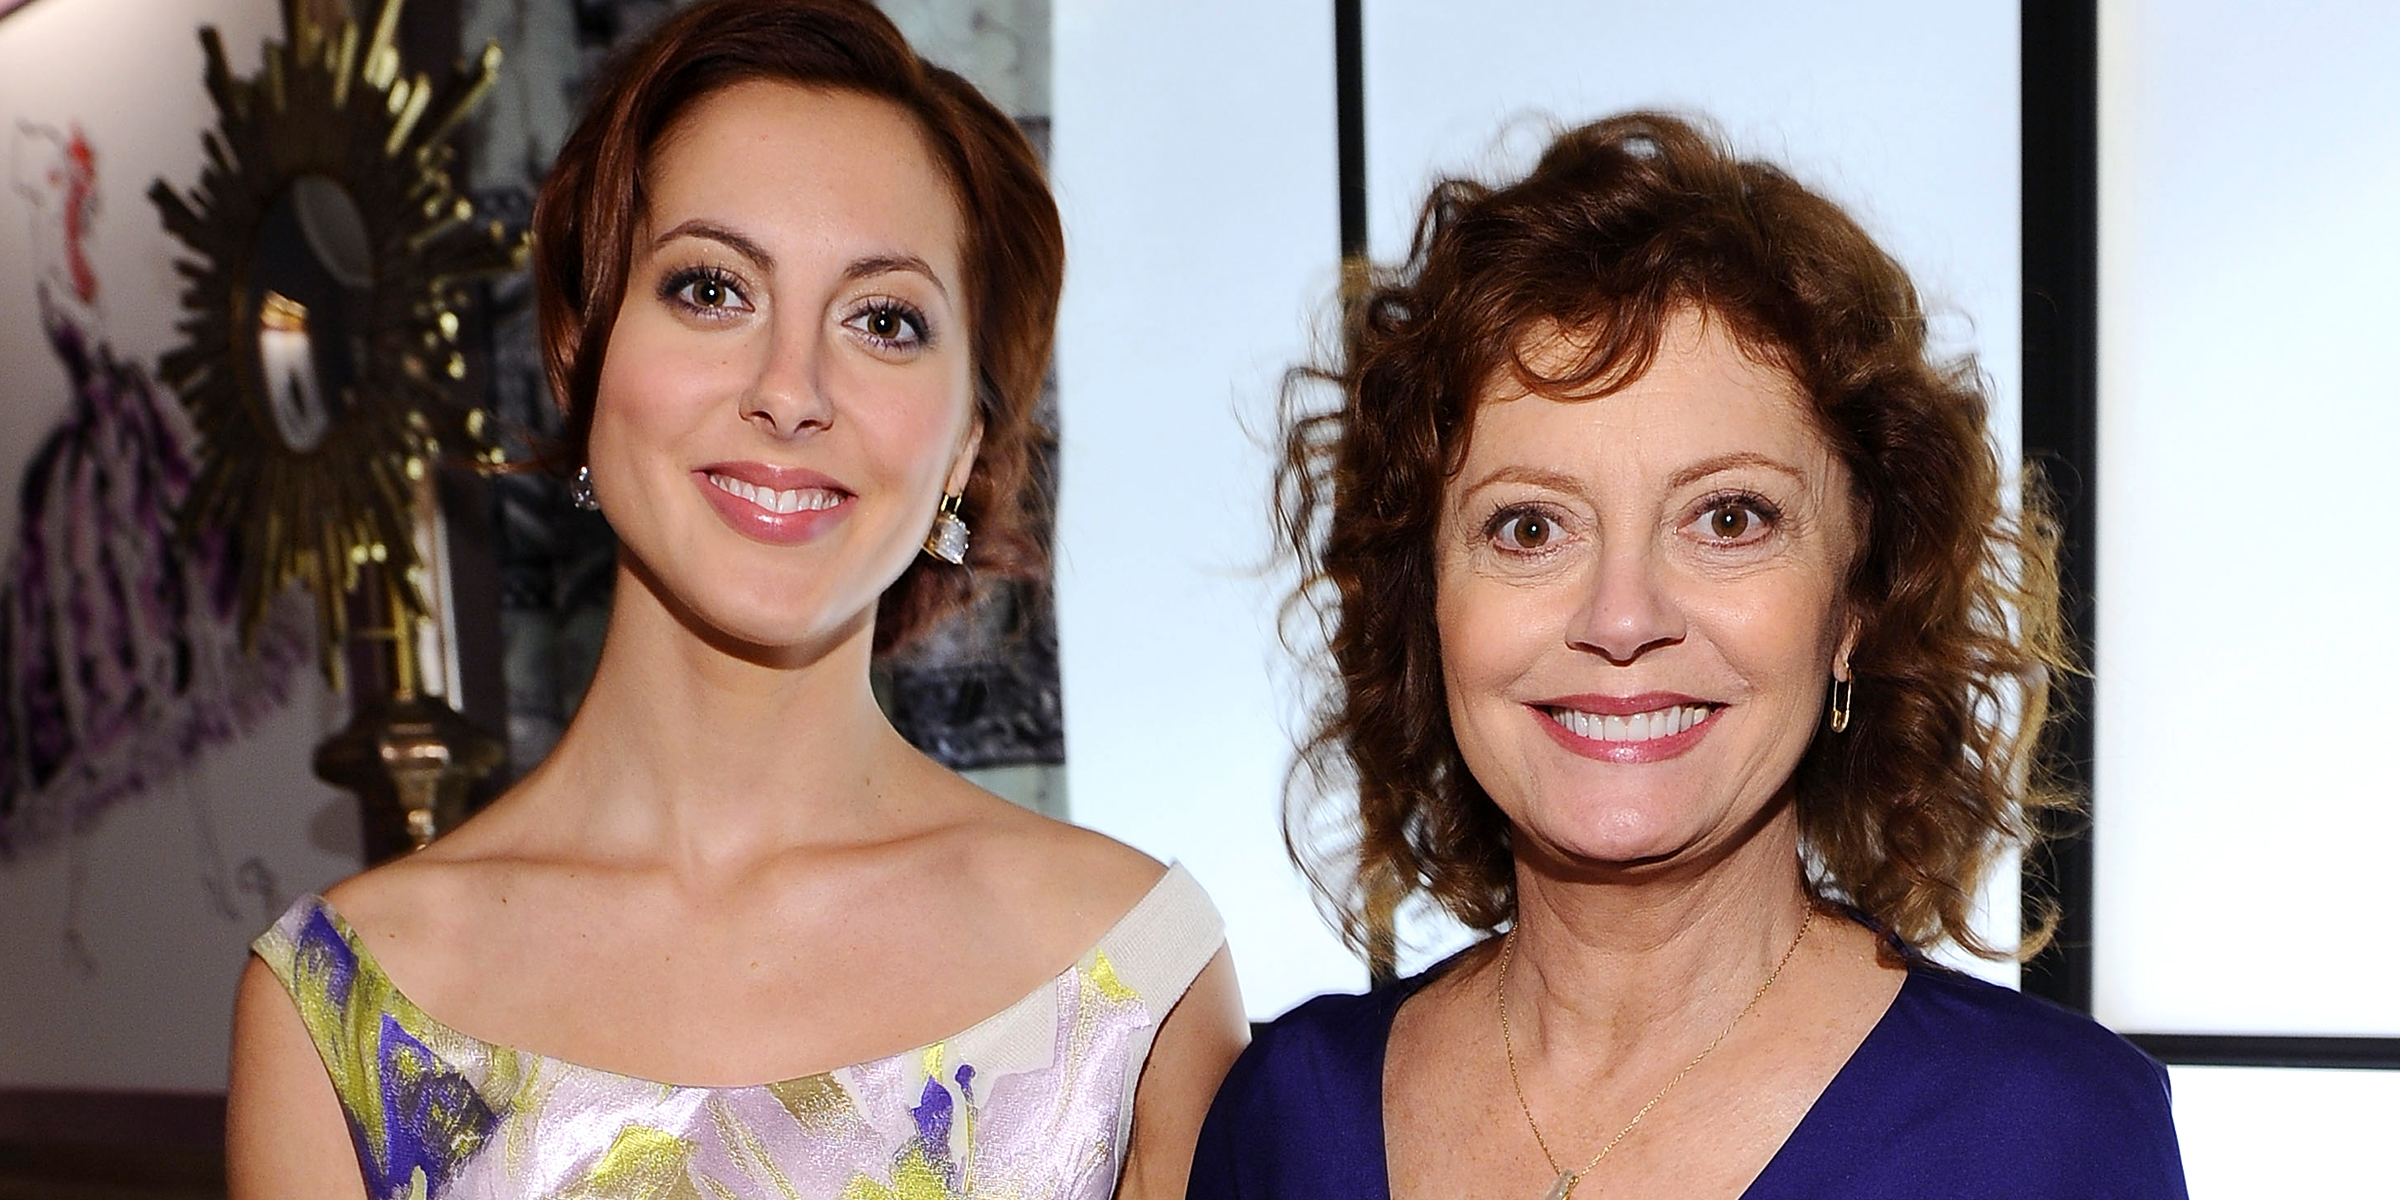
1565	1184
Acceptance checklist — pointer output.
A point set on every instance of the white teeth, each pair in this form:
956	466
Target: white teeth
1640	727
788	500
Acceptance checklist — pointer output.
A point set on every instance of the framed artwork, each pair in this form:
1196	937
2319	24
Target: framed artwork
156	802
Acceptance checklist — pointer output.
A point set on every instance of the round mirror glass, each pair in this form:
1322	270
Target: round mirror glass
312	280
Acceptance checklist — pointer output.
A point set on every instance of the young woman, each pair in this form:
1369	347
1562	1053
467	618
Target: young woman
735	937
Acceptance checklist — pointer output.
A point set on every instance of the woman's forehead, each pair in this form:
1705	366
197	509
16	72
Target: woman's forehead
808	164
1701	396
1572	360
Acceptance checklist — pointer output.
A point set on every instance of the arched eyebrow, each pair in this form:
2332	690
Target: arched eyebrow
1556	481
1727	462
711	231
1559	481
863	268
885	264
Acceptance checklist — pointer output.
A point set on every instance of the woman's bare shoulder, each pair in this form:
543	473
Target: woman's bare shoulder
284	1130
1075	880
425	897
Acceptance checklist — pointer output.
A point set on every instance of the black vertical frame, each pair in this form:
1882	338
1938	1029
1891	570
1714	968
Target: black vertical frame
2059	84
1350	175
1350	140
1350	130
2059	135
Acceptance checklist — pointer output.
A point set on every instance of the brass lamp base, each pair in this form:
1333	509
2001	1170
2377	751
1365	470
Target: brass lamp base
411	761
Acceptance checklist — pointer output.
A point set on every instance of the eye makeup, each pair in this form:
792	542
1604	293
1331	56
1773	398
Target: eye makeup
892	325
707	292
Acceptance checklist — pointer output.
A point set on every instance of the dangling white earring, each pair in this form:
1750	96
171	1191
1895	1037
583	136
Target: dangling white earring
948	540
1841	704
580	492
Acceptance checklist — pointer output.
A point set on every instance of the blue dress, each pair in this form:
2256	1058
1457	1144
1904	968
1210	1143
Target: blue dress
1962	1090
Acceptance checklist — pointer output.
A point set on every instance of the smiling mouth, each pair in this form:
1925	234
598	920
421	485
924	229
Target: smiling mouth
1638	727
778	500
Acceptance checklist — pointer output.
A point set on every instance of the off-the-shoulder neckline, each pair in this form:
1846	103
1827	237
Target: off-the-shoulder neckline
351	936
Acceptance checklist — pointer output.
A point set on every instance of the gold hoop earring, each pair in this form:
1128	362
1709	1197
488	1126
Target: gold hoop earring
1841	704
948	539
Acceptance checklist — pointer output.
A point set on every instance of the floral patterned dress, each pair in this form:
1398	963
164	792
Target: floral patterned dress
1033	1102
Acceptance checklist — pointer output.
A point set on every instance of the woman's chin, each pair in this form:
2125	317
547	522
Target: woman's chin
780	637
1644	840
1618	838
763	625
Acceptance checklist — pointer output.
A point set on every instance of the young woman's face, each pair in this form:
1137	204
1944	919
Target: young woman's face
787	392
1639	600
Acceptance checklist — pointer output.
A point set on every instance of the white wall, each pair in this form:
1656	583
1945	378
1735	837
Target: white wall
2247	800
2250	1132
1193	157
147	1002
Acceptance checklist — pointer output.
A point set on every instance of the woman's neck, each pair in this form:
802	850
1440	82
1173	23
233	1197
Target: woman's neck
702	756
1603	963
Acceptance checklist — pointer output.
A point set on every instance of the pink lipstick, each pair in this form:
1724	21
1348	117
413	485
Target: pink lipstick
781	506
1644	728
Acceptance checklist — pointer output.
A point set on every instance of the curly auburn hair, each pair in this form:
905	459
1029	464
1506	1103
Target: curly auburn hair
592	205
1621	225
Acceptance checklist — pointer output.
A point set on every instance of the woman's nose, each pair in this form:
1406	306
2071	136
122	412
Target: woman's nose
788	395
1627	609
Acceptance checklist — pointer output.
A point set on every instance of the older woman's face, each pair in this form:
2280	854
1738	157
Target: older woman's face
1640	604
787	391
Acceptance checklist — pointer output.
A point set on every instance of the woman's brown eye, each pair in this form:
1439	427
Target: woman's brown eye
1730	523
1529	533
883	324
708	293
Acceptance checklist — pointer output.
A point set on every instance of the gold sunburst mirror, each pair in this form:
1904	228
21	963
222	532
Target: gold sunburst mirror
321	314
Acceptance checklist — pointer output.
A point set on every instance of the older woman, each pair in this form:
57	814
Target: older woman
1684	635
734	937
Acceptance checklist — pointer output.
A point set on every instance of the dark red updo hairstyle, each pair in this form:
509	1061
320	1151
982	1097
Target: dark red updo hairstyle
591	206
1623	224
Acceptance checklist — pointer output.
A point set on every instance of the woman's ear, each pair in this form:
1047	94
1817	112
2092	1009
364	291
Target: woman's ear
1841	654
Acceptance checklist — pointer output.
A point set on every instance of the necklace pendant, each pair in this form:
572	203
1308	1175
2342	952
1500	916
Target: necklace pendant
1563	1188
